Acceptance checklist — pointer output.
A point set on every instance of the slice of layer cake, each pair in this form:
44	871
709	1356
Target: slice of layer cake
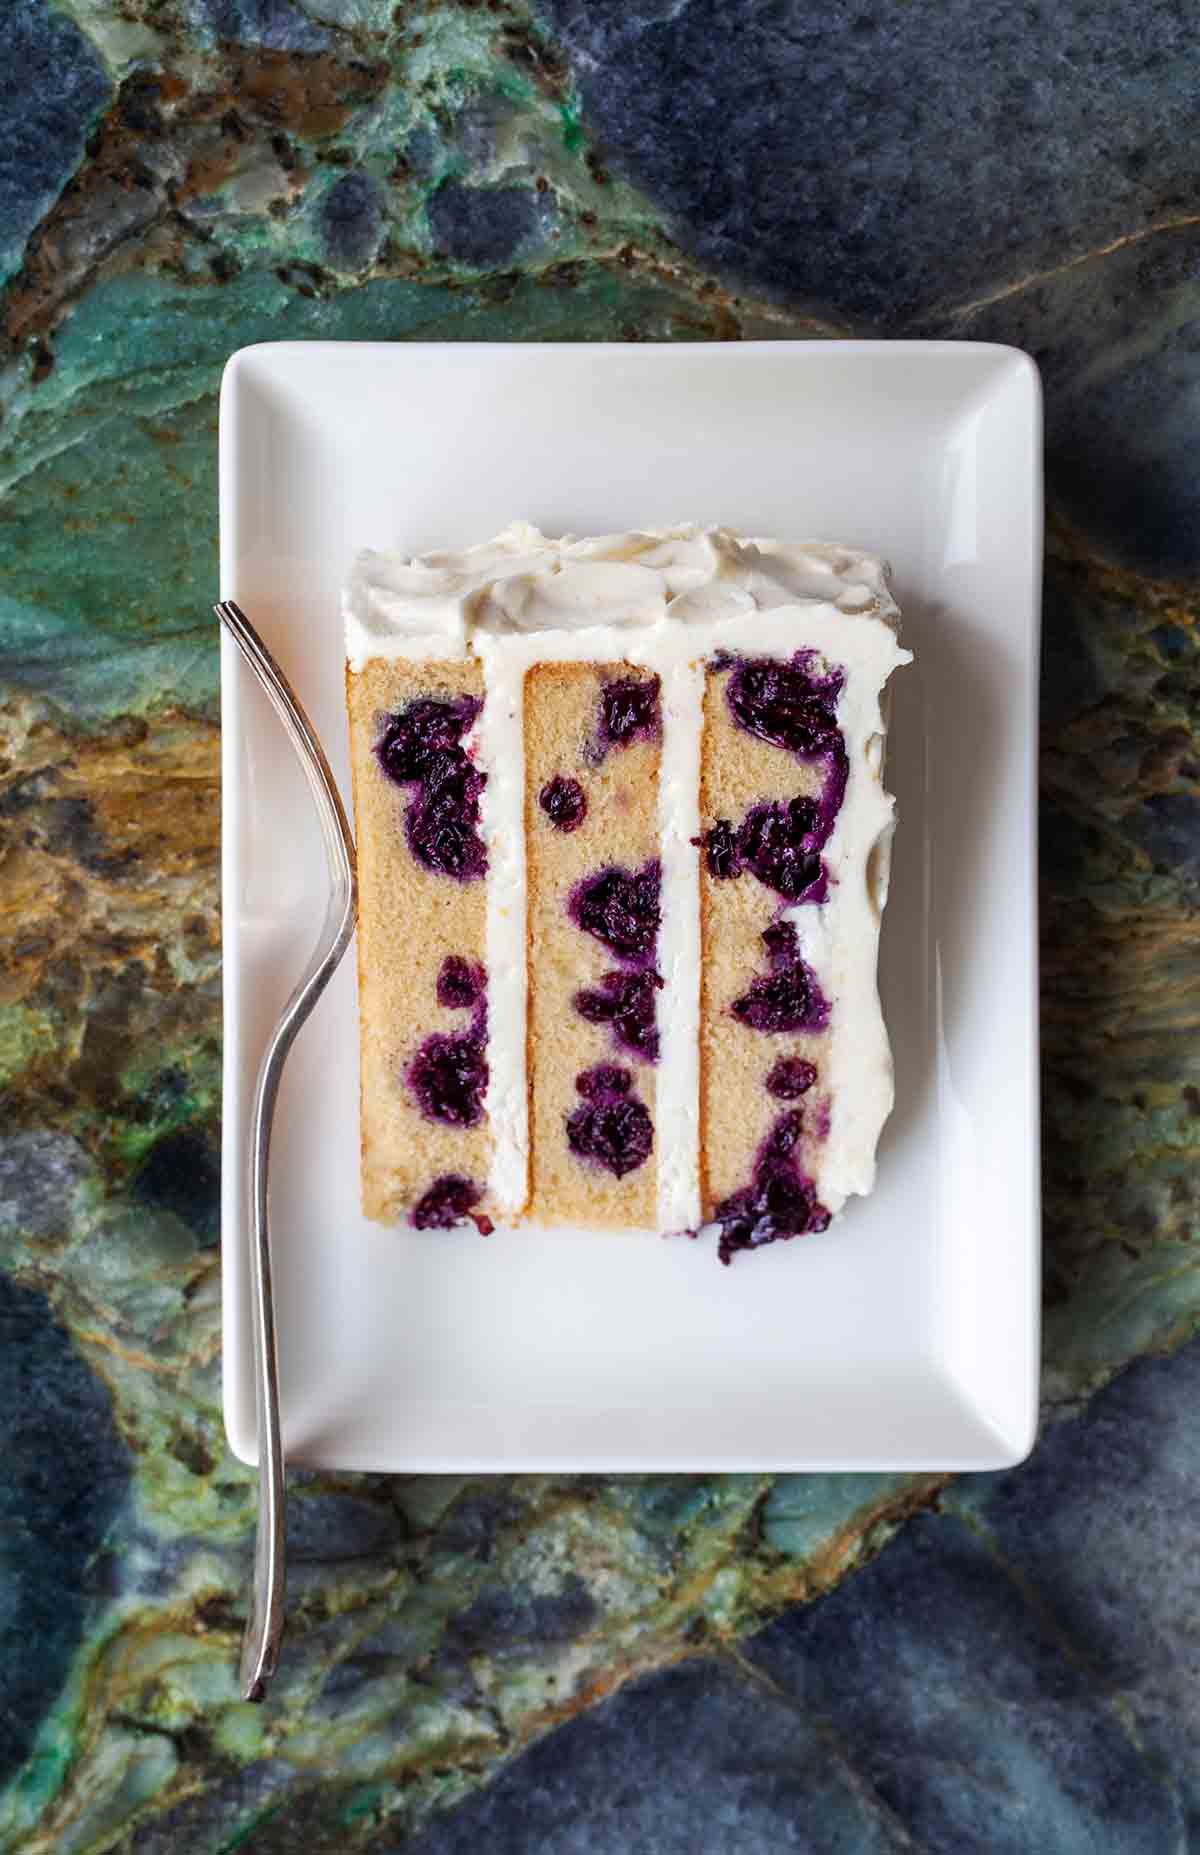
623	851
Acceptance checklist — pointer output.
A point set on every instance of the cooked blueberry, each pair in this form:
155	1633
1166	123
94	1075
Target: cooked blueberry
721	850
779	1203
604	1079
460	984
781	942
785	704
447	1202
626	1002
628	708
620	908
421	746
564	803
785	1133
788	998
780	845
422	729
790	706
614	1130
790	1078
448	1077
440	823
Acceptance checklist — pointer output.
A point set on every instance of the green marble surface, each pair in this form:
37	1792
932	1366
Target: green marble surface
186	176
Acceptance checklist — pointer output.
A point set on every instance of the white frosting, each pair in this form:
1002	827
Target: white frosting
665	600
677	1105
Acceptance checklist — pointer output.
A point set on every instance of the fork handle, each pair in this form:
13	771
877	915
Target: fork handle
263	1634
264	1622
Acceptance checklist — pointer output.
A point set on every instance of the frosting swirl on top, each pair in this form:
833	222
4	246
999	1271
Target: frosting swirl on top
524	581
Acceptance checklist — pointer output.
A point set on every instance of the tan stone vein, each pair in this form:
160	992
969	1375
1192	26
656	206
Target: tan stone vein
1180	222
132	1355
862	1786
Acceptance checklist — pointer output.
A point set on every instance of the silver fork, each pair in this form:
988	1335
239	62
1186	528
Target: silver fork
264	1623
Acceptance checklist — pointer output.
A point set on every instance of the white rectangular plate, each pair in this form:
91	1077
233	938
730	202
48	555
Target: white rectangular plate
905	1337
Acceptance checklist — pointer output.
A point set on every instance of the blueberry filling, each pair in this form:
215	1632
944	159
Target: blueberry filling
779	1203
422	747
416	734
781	942
785	703
620	908
788	998
441	823
626	1003
784	1135
611	1127
460	985
564	803
783	1001
449	1201
448	1076
790	1078
790	706
779	844
721	851
629	709
603	1079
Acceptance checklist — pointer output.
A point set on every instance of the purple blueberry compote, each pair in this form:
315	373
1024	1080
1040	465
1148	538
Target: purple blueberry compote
788	998
450	1200
790	1078
785	703
629	710
792	707
784	1135
441	823
721	851
564	803
448	1076
603	1079
779	844
419	731
620	908
611	1127
626	1003
460	985
421	746
781	942
782	1001
779	1203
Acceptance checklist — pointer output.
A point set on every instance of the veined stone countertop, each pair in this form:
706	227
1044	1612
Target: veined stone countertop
724	1664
